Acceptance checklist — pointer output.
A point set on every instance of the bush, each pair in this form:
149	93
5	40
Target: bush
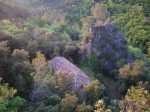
9	102
136	100
68	103
92	91
10	28
130	19
100	107
132	70
84	108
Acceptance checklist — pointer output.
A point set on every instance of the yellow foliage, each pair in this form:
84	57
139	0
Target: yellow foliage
133	70
136	100
93	87
40	65
86	32
100	107
68	103
6	92
10	28
99	12
62	82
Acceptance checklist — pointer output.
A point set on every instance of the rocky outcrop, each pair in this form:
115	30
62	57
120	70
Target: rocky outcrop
62	65
110	47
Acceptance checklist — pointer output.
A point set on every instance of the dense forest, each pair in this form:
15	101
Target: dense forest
74	55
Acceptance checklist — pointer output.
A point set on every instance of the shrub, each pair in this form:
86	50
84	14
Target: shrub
40	65
61	84
136	100
93	91
10	28
68	103
132	70
84	108
21	79
9	102
130	19
100	107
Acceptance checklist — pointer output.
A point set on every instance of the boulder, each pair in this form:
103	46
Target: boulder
62	65
110	47
58	65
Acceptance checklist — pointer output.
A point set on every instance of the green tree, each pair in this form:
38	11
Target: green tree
20	71
132	24
9	102
131	20
11	28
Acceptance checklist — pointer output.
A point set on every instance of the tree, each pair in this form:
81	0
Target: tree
21	79
61	84
136	100
130	19
132	70
40	65
5	50
84	108
68	103
93	91
8	101
101	107
79	10
10	28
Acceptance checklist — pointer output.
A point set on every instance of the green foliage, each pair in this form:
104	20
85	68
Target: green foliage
21	79
132	24
89	62
130	19
79	10
9	102
5	50
10	28
136	52
55	38
144	3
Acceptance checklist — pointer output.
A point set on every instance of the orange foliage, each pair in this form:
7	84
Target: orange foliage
133	70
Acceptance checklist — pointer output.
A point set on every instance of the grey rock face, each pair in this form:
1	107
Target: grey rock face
62	65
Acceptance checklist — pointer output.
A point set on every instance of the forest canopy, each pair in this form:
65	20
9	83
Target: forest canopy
74	55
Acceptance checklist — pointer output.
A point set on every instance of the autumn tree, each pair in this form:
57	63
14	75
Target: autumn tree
93	91
68	103
40	65
137	99
101	107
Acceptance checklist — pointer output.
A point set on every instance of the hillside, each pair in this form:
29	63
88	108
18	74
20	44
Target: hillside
10	12
74	56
